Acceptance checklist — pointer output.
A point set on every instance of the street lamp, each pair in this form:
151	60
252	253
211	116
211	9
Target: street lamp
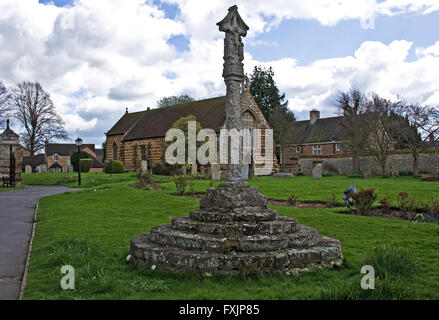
78	144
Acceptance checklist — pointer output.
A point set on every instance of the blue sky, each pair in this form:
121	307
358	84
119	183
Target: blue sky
98	57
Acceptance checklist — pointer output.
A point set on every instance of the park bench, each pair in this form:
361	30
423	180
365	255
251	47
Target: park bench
7	182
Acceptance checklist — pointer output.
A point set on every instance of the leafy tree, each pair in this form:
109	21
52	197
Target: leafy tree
182	124
34	110
353	105
173	100
265	92
104	151
4	104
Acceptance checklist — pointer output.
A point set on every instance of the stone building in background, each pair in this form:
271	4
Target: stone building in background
140	135
57	158
10	155
322	140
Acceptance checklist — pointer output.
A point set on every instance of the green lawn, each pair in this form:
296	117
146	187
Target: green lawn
10	189
91	231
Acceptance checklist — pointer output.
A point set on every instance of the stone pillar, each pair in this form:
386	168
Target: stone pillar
10	156
194	169
233	74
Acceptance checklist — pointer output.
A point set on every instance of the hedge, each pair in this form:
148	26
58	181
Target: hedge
114	166
86	164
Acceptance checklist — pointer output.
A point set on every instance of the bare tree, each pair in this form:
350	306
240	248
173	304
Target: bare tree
381	121
34	110
5	107
353	106
418	127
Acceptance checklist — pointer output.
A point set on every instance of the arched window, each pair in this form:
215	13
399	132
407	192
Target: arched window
55	157
114	151
248	120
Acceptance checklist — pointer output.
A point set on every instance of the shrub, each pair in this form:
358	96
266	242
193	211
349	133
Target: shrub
407	204
385	203
145	180
403	201
86	164
292	199
74	159
434	207
191	185
114	166
364	200
180	183
164	169
332	201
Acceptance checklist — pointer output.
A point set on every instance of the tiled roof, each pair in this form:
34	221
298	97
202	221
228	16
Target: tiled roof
39	159
125	123
156	122
323	130
65	149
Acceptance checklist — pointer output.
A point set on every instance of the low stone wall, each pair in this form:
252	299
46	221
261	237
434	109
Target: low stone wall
401	161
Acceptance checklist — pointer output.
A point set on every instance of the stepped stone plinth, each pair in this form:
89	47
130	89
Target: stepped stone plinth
234	232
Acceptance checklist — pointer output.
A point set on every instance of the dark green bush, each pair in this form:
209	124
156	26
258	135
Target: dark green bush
164	169
364	200
86	164
114	166
74	159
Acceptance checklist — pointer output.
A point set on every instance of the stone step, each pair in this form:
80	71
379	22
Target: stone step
165	235
146	253
281	225
245	215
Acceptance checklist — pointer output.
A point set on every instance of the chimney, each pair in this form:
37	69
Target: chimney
126	110
314	115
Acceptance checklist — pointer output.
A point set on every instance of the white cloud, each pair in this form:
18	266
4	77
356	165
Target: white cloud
100	56
375	67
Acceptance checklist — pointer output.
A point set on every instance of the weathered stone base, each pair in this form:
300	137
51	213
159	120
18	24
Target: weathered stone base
233	233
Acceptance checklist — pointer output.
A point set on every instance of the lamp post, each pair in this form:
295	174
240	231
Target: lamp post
78	144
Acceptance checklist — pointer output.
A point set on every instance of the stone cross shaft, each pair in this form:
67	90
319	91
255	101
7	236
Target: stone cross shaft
233	74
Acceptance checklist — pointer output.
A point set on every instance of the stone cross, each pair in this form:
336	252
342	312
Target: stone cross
233	74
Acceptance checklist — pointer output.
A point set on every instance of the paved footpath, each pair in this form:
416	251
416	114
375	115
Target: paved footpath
17	210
